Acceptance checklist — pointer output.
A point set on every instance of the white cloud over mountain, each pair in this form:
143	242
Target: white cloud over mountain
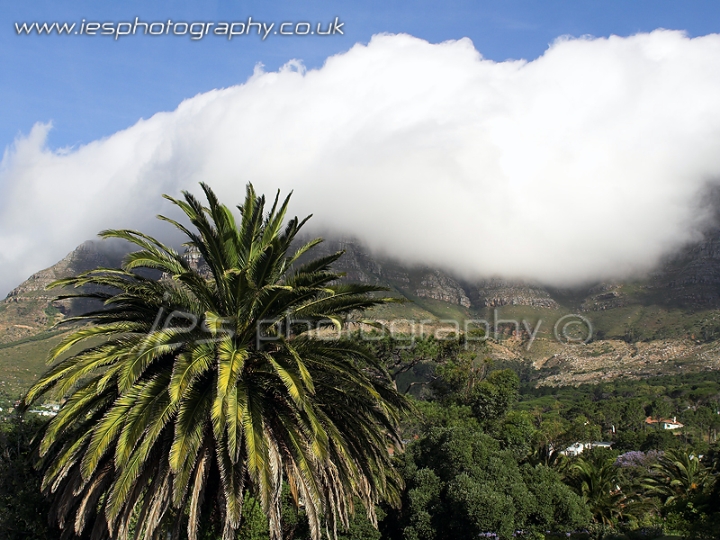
590	162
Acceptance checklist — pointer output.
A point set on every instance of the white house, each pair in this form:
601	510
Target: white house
578	448
665	423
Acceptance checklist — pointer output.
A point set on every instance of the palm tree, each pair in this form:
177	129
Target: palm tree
600	483
677	474
185	394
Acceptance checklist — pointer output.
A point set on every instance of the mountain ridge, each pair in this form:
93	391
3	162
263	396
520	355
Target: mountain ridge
672	315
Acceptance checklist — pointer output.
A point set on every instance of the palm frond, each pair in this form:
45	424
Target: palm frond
174	408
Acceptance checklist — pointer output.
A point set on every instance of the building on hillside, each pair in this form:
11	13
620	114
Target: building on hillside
578	448
664	423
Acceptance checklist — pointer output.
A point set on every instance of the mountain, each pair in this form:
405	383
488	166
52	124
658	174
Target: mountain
666	322
30	309
427	285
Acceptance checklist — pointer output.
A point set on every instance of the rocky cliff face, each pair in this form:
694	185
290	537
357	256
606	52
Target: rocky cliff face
692	277
499	292
432	283
604	296
438	286
690	280
356	263
30	309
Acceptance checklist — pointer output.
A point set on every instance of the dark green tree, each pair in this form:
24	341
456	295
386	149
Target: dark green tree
460	483
492	397
659	409
515	433
23	509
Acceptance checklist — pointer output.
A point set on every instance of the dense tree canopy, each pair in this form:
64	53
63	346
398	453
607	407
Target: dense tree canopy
460	483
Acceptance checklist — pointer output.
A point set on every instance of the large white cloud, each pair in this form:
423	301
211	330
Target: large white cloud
589	162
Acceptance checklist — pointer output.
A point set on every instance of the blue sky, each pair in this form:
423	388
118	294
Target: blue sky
91	87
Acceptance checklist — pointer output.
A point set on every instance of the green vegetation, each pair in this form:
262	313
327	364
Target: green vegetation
617	410
178	426
31	339
199	406
22	362
466	475
475	413
23	509
484	456
635	322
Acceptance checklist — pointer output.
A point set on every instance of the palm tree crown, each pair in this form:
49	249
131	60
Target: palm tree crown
677	473
598	480
183	394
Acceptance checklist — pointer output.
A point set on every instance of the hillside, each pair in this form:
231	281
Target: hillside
30	309
668	322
